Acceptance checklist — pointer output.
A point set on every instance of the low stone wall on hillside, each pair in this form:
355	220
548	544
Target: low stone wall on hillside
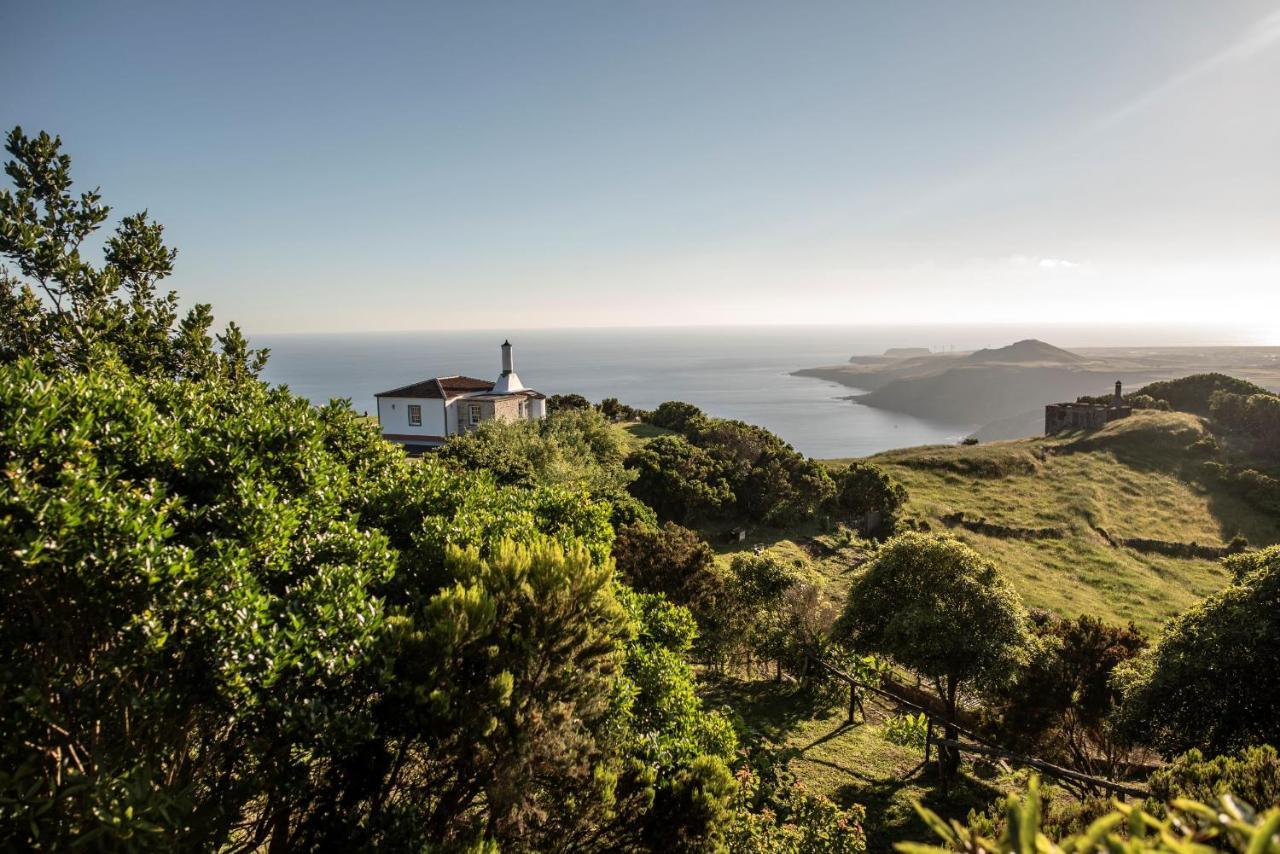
1172	548
995	529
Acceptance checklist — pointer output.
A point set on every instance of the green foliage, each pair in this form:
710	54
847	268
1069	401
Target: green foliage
669	560
574	448
675	415
1253	775
1255	415
1195	393
934	605
681	482
65	311
1202	684
1059	705
1189	826
863	488
907	730
780	817
716	468
751	617
567	403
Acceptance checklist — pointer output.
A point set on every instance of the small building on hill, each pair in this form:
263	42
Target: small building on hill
426	413
1084	414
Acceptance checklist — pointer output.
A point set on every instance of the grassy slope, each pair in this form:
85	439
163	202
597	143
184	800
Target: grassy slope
1135	478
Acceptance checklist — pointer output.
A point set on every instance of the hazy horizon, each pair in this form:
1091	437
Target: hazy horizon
327	167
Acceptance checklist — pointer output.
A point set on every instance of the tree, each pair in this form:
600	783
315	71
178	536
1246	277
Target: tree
65	309
749	618
675	415
566	403
1202	684
862	489
669	560
682	483
1060	703
936	606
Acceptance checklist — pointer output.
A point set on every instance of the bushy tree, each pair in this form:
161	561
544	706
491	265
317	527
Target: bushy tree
567	403
1202	684
1254	415
675	415
863	488
575	447
669	560
749	620
935	605
62	309
1059	704
681	482
1195	393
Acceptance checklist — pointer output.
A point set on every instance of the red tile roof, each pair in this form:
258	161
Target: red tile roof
439	387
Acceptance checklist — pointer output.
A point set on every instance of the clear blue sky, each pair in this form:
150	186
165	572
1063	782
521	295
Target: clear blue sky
363	166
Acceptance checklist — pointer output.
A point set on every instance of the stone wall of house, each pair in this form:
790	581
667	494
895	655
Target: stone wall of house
507	410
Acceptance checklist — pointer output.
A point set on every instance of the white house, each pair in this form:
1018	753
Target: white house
425	414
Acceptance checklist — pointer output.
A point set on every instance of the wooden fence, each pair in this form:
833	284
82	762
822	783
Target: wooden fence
977	744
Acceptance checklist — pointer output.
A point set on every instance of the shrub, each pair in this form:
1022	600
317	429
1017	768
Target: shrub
675	415
672	561
1202	684
907	730
865	488
1189	826
1253	775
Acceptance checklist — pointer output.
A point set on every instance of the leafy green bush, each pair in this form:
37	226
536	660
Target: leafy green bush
1189	826
669	560
907	730
1252	775
1202	684
865	488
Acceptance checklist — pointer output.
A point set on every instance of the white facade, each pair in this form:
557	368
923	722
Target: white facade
427	413
396	416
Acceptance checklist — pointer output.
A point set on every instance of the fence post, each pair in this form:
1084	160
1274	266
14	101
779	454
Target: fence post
928	738
853	701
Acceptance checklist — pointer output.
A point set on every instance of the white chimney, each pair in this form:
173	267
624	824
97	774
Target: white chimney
508	381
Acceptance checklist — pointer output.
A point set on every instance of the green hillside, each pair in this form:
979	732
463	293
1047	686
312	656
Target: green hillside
1053	513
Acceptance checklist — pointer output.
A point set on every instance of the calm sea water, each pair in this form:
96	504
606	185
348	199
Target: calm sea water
741	373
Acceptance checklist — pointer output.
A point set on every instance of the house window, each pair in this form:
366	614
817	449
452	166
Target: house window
473	414
520	409
415	415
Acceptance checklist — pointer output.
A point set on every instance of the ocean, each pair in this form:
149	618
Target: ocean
730	372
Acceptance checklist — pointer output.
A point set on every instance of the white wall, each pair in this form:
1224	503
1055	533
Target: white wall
393	416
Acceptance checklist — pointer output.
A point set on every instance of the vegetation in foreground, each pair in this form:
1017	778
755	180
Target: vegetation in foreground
234	621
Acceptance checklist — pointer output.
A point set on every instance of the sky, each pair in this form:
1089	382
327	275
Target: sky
392	166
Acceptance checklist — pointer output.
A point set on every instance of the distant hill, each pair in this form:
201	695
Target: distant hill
907	352
1026	352
980	393
1058	513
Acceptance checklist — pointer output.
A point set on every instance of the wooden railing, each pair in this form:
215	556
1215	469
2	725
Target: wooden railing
977	744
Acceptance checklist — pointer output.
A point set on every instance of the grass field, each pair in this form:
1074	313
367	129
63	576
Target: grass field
1135	478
